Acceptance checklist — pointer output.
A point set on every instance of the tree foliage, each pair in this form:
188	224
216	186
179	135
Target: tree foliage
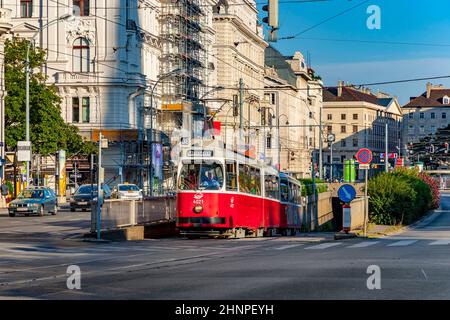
48	131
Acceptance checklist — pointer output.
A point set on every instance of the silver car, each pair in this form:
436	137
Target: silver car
127	192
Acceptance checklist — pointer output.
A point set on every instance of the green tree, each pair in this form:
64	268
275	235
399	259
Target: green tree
48	131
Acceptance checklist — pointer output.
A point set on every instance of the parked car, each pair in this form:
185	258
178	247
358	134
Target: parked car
37	200
85	195
127	191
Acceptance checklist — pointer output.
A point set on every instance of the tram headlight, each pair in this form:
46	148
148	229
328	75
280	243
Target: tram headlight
198	209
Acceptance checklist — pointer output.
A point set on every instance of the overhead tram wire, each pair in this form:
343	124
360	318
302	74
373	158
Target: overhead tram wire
323	21
144	6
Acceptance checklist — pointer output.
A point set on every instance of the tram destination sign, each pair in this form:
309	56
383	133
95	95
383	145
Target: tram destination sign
200	153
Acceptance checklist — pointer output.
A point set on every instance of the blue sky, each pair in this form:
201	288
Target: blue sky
412	21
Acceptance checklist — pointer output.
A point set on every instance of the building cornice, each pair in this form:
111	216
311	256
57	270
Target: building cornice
237	22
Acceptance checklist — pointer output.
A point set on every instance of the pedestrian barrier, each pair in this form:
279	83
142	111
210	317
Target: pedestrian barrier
117	213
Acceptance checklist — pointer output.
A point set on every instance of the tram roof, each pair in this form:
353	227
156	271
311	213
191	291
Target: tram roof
225	154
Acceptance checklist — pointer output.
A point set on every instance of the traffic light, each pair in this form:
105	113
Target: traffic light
272	14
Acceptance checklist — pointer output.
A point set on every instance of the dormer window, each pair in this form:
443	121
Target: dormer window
446	100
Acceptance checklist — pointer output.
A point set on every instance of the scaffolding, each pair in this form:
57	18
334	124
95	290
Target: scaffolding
182	37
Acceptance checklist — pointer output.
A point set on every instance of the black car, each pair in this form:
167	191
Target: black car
86	195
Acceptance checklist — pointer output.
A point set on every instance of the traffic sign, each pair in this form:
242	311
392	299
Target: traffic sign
366	166
346	193
364	156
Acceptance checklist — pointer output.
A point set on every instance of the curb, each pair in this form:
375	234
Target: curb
425	220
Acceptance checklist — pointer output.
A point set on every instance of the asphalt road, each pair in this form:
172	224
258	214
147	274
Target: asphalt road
414	264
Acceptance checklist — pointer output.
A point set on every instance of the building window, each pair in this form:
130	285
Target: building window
80	7
85	109
269	141
355	116
310	128
310	141
444	115
343	143
433	129
329	129
343	116
433	115
76	110
411	115
310	115
81	55
26	8
411	130
329	116
422	115
355	142
270	98
355	129
343	129
446	100
421	129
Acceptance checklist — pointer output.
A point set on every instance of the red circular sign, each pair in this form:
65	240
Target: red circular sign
364	156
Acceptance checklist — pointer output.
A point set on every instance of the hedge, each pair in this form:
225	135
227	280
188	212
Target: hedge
307	186
399	197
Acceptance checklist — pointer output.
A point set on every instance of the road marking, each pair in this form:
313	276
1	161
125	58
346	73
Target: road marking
424	274
440	242
402	243
364	244
288	246
324	246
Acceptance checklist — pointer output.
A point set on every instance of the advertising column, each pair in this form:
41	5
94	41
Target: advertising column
62	176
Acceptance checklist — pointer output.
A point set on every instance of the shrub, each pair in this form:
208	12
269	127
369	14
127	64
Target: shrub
307	186
401	196
434	187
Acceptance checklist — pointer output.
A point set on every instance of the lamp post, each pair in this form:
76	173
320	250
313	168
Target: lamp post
65	17
150	142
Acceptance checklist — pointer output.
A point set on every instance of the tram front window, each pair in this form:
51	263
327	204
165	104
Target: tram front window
201	176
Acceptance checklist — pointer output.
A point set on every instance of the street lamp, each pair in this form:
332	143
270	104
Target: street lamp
65	17
150	143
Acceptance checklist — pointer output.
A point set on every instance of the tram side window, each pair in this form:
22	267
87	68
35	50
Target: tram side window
284	188
272	188
294	193
231	176
249	180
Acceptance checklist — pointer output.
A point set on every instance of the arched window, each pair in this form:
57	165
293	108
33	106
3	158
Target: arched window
81	58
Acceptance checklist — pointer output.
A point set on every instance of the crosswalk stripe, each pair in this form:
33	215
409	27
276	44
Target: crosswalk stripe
364	244
440	242
323	246
287	246
402	243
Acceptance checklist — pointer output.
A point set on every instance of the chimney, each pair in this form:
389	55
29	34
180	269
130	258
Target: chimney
339	88
429	87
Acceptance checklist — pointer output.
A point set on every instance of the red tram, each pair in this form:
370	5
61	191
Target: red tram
223	193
